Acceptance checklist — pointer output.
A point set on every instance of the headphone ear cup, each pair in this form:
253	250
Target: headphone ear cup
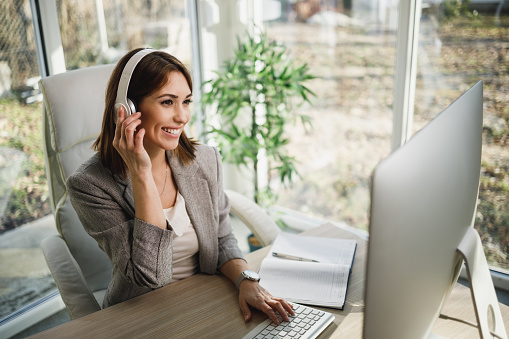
132	107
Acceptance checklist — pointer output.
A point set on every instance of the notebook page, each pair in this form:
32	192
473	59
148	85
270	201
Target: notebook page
305	282
324	250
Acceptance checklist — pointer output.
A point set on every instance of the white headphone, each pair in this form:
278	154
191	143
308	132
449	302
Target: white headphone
123	85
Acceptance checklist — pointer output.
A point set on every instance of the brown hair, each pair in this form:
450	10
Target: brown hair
150	75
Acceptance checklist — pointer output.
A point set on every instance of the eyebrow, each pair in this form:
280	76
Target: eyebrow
173	96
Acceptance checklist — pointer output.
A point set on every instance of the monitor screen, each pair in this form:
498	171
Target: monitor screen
423	200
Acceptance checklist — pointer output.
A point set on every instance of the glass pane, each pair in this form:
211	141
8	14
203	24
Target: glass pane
460	43
91	37
25	213
351	48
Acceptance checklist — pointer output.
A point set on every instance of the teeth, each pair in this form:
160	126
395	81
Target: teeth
171	131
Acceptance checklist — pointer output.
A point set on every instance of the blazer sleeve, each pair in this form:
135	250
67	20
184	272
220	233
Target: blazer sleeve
228	246
141	251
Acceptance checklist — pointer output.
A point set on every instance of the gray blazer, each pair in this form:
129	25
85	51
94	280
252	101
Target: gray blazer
141	253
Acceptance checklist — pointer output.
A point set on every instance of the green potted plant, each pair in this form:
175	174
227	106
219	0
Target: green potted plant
250	103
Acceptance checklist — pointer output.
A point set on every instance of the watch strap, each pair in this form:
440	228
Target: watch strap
239	280
242	277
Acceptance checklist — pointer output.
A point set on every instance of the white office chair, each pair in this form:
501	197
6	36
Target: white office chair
259	222
72	117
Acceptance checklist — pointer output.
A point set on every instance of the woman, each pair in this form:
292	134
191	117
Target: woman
153	199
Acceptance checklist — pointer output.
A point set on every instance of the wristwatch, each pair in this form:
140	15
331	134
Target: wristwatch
249	275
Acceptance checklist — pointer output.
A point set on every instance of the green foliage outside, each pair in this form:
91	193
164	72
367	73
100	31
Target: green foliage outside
456	8
474	46
251	104
492	219
21	131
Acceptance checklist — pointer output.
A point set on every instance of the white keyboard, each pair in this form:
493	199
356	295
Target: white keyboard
307	323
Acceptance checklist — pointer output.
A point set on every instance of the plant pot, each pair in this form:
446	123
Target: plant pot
254	243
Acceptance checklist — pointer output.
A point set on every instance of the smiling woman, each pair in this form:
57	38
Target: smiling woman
165	114
148	81
152	211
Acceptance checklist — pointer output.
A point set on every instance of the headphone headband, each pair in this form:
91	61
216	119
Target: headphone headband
125	78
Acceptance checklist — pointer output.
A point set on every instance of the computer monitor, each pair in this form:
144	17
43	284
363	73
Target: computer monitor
423	204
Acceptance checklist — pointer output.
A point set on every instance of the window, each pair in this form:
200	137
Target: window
92	35
24	207
460	43
351	48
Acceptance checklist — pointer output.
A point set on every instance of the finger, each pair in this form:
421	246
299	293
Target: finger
129	128
268	308
287	306
270	312
277	306
118	129
244	307
121	115
138	143
129	125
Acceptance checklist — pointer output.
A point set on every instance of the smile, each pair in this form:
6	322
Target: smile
173	131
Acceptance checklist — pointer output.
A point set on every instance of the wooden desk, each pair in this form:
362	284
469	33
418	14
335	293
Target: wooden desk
205	306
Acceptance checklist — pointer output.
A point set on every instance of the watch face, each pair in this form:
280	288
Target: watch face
251	275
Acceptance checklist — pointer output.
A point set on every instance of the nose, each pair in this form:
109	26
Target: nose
182	115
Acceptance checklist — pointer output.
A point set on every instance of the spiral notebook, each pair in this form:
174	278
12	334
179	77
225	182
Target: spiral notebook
309	270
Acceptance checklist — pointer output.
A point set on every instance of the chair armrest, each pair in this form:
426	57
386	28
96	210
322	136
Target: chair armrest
73	288
254	216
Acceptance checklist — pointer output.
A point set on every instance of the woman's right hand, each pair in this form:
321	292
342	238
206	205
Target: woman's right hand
129	142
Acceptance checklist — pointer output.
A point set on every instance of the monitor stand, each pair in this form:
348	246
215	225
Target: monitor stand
487	311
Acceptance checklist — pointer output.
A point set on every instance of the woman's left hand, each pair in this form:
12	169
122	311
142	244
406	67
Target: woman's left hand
252	294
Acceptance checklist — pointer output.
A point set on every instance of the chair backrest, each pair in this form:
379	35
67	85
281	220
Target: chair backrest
71	121
254	217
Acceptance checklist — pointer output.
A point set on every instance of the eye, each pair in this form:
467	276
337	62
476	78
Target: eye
188	101
167	102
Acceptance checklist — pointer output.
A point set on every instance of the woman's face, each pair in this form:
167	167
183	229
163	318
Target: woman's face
165	112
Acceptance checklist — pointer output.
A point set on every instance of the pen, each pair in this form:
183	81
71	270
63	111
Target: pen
291	257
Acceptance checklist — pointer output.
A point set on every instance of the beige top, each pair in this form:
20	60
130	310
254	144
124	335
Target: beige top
185	241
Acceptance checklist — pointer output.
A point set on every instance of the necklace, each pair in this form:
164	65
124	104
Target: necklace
165	177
